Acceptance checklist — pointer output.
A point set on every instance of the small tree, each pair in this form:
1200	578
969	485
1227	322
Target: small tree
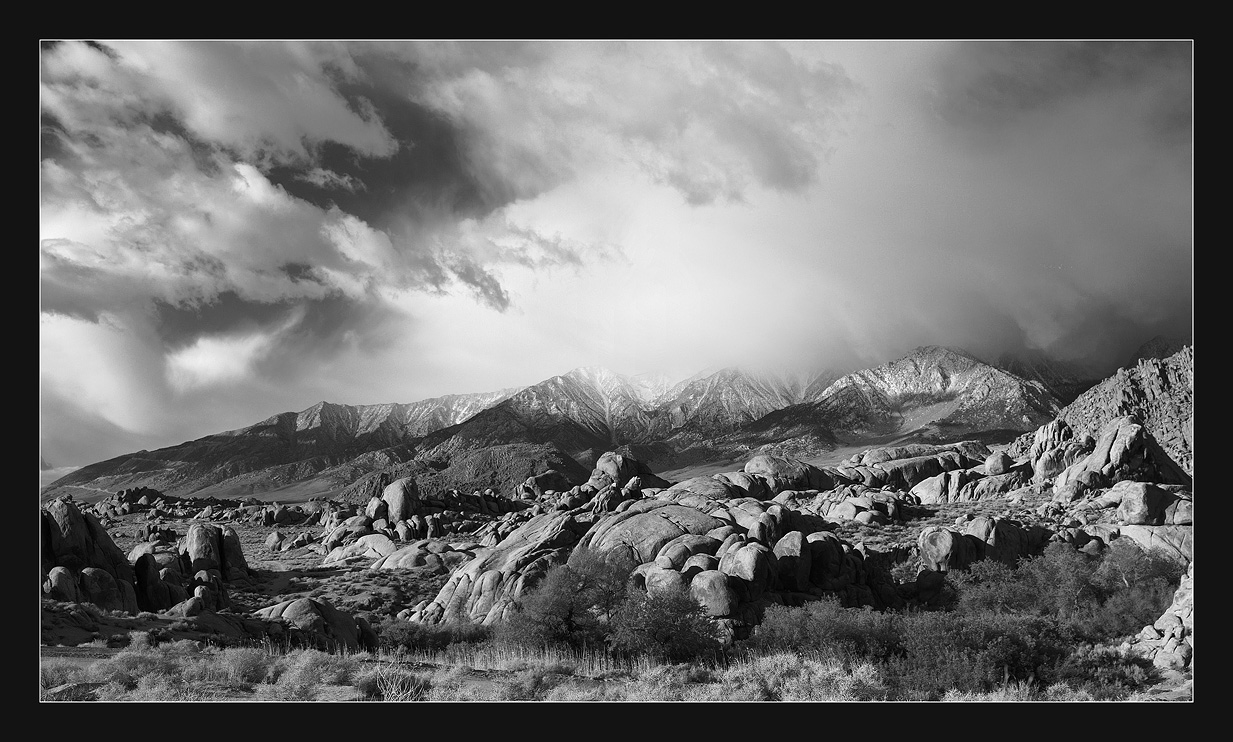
1060	579
989	585
603	580
668	625
573	605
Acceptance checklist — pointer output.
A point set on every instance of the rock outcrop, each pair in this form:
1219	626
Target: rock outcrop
1157	392
483	589
77	540
1123	450
81	562
318	621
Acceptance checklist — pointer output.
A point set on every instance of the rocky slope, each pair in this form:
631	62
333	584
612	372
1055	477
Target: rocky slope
932	388
1157	392
1158	347
728	399
327	444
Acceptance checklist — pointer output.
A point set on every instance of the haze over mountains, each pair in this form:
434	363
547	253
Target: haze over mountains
567	421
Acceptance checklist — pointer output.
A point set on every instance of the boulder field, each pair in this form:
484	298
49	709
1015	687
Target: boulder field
185	577
739	541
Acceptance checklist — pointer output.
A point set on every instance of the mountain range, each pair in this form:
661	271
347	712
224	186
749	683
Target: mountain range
931	393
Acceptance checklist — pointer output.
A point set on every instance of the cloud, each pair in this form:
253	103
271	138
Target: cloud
328	179
262	99
988	88
710	119
373	221
210	361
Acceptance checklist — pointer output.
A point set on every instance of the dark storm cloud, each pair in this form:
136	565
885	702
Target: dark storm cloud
179	325
711	119
1077	167
426	178
985	86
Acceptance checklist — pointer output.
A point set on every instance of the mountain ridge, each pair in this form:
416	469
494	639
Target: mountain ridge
585	412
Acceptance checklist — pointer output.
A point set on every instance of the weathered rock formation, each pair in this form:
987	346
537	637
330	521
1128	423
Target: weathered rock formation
81	563
317	620
482	589
1157	392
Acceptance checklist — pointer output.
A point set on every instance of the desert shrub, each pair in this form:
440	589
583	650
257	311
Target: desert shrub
1095	598
411	636
167	688
1123	613
1134	586
113	690
1060	580
991	586
127	666
244	664
669	626
532	684
1061	692
384	683
789	676
1102	673
304	669
55	671
573	605
661	683
141	640
451	685
972	653
1014	692
585	692
365	682
206	668
826	627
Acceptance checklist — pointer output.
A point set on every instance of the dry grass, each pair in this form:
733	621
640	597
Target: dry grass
509	657
185	672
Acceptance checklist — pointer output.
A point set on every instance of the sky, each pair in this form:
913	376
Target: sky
230	230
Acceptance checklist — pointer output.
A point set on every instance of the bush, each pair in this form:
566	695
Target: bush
126	667
141	640
990	586
301	672
245	664
669	626
1095	598
972	653
55	672
412	636
1059	581
788	676
383	683
827	628
574	605
1102	673
165	688
532	684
